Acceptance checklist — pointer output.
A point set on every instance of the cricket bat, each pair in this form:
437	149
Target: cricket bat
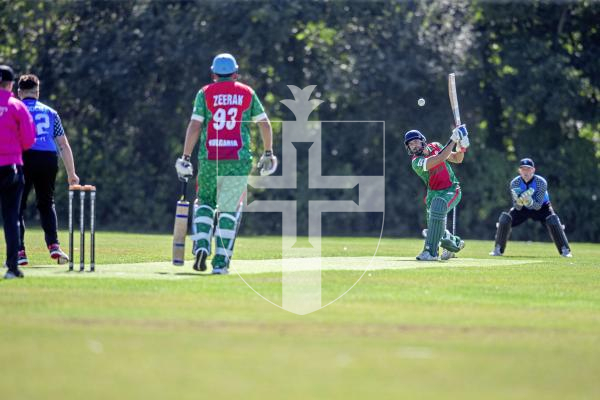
453	102
180	227
456	112
453	98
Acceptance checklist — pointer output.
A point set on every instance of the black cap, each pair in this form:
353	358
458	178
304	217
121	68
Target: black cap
527	162
6	74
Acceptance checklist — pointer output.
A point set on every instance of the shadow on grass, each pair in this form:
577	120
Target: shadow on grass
199	274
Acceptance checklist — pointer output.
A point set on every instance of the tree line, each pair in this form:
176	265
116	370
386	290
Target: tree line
123	76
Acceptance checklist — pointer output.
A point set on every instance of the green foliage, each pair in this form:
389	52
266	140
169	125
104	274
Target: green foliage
123	76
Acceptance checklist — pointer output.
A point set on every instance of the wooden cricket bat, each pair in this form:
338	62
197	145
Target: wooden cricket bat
454	101
180	227
456	112
453	98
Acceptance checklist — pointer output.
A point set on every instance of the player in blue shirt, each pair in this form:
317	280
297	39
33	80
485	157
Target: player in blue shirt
40	166
530	200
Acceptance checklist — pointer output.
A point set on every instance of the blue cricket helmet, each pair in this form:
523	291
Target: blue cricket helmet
412	135
224	64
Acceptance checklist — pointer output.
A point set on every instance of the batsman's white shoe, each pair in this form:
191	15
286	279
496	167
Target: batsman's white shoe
446	255
496	252
220	271
426	256
566	253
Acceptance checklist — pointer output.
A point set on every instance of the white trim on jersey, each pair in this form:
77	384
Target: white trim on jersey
260	117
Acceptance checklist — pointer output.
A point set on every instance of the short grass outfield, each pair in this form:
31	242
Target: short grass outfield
522	326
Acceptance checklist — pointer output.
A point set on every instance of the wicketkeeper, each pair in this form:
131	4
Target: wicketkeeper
530	199
222	113
431	164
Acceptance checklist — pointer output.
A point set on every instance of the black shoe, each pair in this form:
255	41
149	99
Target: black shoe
14	273
200	261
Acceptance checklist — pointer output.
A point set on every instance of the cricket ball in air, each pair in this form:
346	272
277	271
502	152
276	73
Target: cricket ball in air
421	102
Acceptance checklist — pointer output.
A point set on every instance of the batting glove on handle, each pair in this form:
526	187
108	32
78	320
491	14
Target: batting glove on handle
464	144
455	137
267	163
461	133
184	168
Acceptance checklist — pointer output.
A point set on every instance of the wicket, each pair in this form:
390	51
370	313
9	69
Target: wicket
83	189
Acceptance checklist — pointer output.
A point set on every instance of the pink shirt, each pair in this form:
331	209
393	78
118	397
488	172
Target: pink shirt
17	131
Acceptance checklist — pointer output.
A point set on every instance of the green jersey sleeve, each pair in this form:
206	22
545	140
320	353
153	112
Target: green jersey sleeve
199	113
418	165
257	111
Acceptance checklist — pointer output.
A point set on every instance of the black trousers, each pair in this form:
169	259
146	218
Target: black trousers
522	215
40	169
11	189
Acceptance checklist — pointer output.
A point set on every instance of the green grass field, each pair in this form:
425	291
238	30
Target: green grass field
523	326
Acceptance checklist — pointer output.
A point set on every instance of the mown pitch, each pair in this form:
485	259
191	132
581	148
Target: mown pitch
523	326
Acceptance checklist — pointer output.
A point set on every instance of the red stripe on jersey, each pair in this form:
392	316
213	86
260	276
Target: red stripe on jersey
453	198
439	177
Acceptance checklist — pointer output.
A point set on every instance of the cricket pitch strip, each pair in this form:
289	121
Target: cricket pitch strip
165	270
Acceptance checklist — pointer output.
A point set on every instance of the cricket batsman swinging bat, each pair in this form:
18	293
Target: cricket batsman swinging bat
180	227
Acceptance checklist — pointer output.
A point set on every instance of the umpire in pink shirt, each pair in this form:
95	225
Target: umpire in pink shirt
17	133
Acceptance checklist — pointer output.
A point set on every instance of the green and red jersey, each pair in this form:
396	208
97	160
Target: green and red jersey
226	108
439	177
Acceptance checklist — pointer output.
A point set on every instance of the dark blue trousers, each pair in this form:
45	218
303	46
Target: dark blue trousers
11	190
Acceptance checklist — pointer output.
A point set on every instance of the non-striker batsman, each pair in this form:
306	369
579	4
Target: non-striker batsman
430	161
222	113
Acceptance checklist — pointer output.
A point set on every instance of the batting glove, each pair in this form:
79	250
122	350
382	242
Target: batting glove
455	137
461	131
184	168
267	163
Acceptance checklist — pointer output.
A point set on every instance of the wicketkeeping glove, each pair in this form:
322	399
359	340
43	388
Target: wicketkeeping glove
515	196
184	168
267	163
526	198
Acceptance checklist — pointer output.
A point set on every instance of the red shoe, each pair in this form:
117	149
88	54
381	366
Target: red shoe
57	254
22	260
